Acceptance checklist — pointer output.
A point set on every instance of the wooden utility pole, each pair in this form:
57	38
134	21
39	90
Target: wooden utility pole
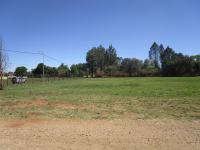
43	66
1	64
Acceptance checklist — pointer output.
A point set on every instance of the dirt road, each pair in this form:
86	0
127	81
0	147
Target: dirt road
99	135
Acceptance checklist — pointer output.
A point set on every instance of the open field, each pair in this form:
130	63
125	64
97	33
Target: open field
103	98
105	113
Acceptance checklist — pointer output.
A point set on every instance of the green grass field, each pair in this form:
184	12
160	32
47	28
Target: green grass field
103	98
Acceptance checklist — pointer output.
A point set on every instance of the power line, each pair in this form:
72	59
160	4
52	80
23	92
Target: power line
24	52
50	57
33	53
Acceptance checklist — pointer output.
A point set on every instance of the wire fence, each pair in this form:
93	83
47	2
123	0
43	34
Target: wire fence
8	81
38	57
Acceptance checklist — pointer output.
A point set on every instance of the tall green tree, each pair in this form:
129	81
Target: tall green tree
39	69
196	61
167	58
100	57
51	71
147	64
63	70
21	71
48	71
148	68
132	66
155	54
91	60
79	70
110	56
96	59
182	65
74	70
83	69
176	64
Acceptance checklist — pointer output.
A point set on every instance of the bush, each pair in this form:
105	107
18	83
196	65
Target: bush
99	74
149	72
120	74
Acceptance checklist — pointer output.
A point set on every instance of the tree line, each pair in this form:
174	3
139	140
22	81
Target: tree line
104	62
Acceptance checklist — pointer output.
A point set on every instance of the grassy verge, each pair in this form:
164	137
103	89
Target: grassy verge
103	98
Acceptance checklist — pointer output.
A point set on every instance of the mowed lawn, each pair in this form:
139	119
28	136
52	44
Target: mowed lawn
103	98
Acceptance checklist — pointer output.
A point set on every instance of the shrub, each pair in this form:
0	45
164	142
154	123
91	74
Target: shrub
99	74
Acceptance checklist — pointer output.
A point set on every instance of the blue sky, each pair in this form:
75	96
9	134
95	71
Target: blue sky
67	29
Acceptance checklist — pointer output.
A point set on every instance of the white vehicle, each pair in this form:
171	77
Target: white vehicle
17	80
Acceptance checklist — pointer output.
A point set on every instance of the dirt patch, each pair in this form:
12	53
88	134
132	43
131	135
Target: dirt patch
16	124
65	105
21	123
33	103
43	103
23	104
100	134
33	114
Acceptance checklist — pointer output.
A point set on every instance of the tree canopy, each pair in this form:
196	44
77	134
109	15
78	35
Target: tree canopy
21	71
102	61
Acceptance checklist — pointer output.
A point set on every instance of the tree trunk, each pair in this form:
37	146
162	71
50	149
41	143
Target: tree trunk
1	82
7	80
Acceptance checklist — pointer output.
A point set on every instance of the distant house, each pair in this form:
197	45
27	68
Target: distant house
10	75
4	77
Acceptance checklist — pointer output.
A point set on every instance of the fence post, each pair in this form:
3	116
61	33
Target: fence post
7	80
